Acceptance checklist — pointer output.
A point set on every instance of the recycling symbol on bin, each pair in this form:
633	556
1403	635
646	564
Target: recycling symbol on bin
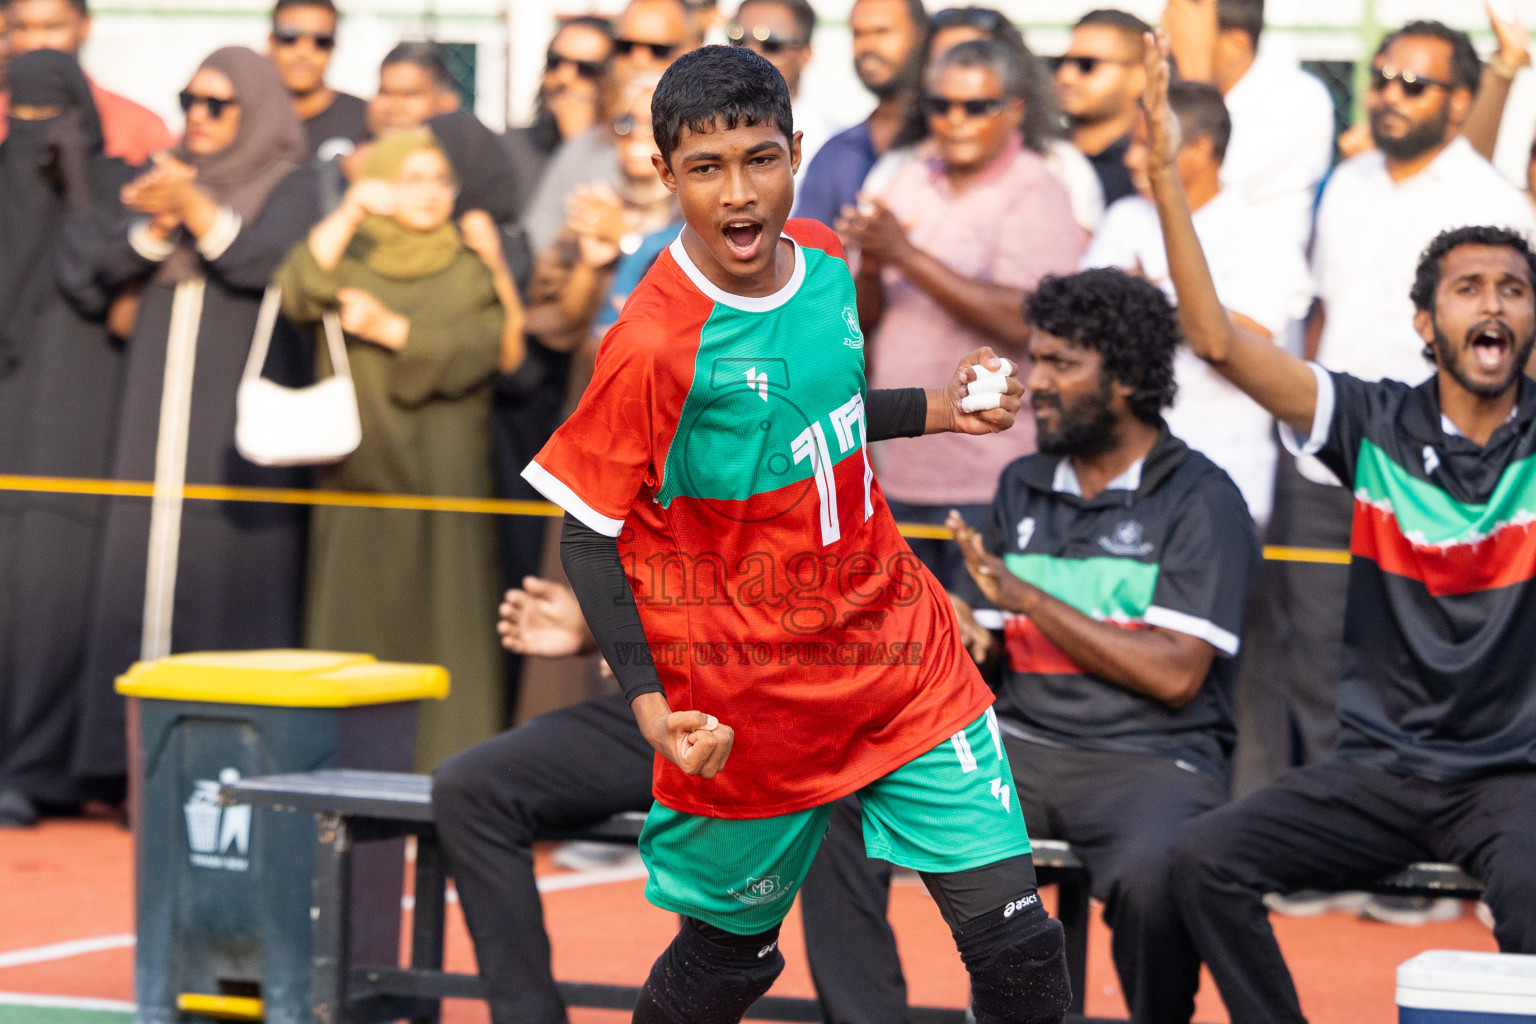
219	837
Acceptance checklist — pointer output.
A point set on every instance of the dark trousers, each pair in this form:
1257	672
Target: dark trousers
576	767
1121	813
942	557
1288	691
1336	826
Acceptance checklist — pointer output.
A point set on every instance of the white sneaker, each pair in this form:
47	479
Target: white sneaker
1310	902
1410	910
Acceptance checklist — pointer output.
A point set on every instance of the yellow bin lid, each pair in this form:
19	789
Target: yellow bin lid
290	679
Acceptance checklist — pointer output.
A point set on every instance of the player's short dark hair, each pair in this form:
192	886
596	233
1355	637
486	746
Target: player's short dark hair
79	5
1466	65
718	86
1125	22
1247	16
424	54
801	10
1128	321
1202	114
1426	280
284	5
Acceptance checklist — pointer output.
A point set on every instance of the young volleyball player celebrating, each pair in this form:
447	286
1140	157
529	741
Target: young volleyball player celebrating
780	645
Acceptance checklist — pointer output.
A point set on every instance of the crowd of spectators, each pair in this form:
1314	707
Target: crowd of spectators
992	197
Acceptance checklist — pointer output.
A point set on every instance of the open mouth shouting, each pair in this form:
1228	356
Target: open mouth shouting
743	237
1491	343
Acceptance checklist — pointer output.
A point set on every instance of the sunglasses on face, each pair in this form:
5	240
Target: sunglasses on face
658	51
983	18
324	41
591	69
1087	65
760	40
1412	83
939	106
215	105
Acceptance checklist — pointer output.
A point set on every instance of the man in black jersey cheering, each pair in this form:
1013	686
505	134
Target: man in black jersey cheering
1437	756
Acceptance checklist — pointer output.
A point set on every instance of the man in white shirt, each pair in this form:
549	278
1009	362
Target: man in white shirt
1378	213
1260	275
1282	117
780	31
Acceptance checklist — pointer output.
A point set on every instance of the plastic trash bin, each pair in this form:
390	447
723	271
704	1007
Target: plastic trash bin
1444	986
224	893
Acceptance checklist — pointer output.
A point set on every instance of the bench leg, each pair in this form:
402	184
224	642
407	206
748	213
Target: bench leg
427	920
1072	912
332	921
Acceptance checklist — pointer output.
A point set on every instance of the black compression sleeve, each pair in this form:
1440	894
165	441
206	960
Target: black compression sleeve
896	412
592	564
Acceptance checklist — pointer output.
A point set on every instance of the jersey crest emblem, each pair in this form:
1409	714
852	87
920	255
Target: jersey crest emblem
1125	541
851	321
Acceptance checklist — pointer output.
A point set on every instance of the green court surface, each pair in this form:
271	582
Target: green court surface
13	1014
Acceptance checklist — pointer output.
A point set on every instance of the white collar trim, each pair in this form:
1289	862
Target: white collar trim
745	303
1066	482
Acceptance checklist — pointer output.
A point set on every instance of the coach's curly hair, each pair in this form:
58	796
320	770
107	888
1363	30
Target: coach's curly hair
1129	322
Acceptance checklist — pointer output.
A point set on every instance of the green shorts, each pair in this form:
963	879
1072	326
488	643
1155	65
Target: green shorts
951	809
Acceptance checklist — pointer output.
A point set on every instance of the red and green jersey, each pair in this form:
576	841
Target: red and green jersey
722	443
1438	637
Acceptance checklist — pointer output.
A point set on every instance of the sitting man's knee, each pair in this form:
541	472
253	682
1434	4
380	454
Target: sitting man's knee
710	976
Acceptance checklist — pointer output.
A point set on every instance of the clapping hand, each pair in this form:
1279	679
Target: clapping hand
1001	587
372	197
542	619
482	237
873	229
596	215
365	317
161	192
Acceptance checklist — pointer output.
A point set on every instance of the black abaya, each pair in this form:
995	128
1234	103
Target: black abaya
59	382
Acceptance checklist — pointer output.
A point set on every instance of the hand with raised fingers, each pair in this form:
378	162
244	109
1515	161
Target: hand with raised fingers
1005	590
542	619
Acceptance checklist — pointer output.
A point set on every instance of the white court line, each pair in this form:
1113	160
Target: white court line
64	1002
62	950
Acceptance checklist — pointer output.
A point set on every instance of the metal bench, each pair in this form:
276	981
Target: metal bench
358	806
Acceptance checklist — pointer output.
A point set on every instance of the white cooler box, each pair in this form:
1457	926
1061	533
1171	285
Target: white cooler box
1446	986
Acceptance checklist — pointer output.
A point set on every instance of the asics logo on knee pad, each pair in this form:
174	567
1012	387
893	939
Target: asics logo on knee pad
1020	904
767	949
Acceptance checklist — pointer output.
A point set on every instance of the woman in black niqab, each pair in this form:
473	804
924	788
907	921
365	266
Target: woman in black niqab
59	382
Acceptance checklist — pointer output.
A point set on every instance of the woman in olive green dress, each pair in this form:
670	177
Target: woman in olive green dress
430	315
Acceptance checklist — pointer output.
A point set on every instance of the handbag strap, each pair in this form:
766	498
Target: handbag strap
266	323
340	367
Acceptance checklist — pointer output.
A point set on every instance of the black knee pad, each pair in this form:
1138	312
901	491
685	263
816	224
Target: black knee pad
1017	960
711	976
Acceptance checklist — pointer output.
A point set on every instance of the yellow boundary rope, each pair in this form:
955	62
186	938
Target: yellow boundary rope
427	503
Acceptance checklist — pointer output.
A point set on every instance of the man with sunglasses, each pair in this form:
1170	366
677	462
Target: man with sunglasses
1282	117
301	43
131	132
648	36
572	94
1378	212
780	31
1098	84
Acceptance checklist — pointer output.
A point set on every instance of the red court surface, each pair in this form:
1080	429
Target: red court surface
69	881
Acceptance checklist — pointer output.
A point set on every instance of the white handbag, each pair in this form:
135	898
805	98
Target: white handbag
309	426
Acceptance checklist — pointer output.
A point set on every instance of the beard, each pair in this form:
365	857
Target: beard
1421	138
1446	354
1084	429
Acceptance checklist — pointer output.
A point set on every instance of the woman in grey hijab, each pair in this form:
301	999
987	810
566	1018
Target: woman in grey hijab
213	219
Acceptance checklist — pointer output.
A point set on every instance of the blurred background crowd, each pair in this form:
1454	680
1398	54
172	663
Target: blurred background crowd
473	272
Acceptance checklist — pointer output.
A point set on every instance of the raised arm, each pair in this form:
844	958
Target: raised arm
1274	378
1482	125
